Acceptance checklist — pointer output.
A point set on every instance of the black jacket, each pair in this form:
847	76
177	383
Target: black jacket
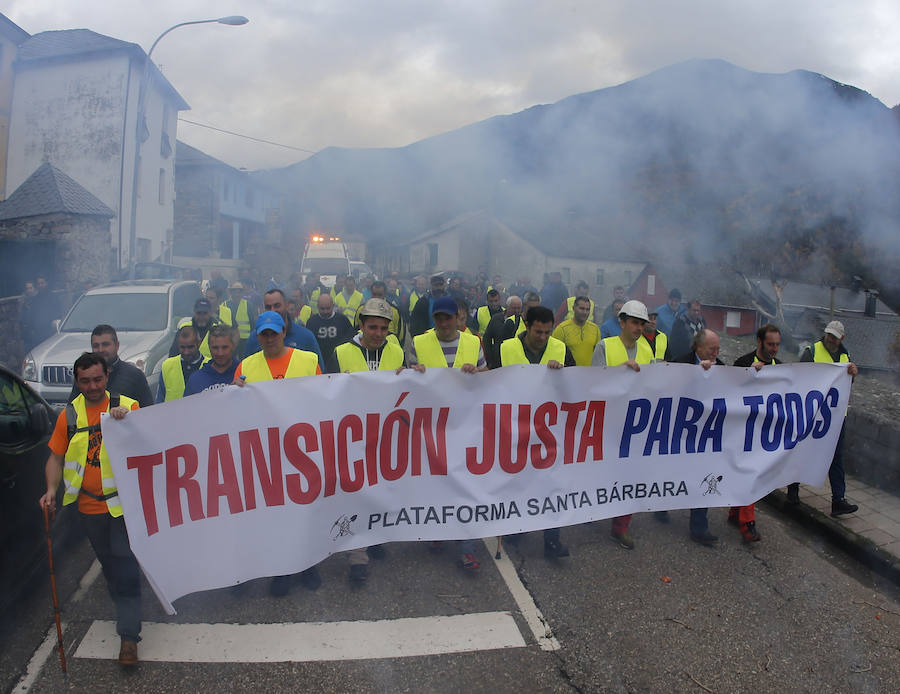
747	359
691	358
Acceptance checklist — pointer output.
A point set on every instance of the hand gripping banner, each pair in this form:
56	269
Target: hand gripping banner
269	479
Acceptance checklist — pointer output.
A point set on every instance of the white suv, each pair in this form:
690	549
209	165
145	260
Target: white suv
144	314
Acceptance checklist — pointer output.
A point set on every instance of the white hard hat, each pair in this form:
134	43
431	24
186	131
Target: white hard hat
634	309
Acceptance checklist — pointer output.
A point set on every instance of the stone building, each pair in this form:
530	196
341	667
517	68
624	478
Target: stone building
75	104
220	211
50	225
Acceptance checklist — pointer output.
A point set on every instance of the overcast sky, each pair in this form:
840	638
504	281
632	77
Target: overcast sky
384	73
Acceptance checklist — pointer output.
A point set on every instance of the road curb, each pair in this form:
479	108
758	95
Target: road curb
858	546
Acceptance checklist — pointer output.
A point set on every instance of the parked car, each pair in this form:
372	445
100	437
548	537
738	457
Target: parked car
144	314
26	422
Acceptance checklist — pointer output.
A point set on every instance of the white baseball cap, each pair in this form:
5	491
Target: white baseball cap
835	328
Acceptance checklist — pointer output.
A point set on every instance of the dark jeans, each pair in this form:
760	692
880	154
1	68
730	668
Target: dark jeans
836	471
836	475
699	524
109	539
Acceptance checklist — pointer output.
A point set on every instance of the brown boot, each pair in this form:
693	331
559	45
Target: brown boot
128	653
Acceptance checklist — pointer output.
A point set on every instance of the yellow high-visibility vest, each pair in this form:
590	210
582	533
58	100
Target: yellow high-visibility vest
225	315
431	355
173	377
349	306
255	368
513	352
659	345
822	355
350	358
484	315
76	458
305	313
242	319
617	355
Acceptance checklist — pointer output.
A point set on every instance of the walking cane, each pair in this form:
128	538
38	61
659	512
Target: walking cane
59	640
497	555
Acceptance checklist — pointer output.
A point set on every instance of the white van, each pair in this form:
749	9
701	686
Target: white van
327	259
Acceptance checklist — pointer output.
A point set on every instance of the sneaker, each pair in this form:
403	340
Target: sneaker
280	586
707	539
128	653
554	549
793	494
840	507
310	578
469	562
358	573
376	551
624	539
749	532
662	517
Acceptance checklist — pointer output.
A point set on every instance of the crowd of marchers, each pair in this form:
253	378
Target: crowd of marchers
239	335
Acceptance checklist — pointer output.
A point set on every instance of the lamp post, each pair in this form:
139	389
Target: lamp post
141	131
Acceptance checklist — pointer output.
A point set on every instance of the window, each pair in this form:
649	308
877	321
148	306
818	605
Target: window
248	198
733	319
566	274
599	281
165	144
651	285
226	191
432	254
628	279
183	301
162	186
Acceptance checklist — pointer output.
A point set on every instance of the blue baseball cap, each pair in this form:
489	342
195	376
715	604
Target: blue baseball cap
269	320
445	304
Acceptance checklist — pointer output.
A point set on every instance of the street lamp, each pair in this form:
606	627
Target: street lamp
141	133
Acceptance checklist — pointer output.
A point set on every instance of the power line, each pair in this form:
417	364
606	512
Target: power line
246	137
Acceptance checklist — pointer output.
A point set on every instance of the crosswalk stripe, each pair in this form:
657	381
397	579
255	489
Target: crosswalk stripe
310	641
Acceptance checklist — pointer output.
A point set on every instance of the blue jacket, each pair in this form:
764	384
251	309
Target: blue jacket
208	378
665	318
611	328
297	337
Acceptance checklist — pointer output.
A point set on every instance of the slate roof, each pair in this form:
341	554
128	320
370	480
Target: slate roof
49	191
70	42
185	155
713	284
12	31
803	295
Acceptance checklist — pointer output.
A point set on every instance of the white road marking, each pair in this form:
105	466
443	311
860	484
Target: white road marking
36	664
310	641
48	645
536	622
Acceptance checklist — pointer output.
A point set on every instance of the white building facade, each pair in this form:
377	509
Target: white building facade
75	105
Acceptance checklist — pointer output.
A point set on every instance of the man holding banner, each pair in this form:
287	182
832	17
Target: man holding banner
78	455
768	340
277	361
537	346
629	349
446	347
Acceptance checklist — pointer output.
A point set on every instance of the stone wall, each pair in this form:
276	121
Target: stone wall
82	255
872	450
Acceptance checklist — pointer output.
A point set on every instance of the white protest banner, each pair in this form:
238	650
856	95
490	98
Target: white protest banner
269	479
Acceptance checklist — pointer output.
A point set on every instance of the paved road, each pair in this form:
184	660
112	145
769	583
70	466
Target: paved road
786	614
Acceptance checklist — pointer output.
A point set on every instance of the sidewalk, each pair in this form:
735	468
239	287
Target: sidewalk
871	535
